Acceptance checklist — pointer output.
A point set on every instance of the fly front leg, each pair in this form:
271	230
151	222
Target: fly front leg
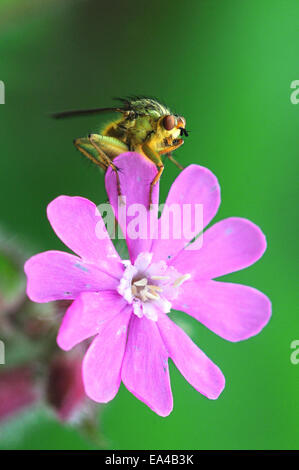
155	158
169	149
173	160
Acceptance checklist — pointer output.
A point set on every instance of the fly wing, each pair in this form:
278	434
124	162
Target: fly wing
85	112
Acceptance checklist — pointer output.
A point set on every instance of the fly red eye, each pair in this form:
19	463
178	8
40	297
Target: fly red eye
169	122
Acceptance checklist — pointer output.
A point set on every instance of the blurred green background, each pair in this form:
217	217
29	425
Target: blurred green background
227	67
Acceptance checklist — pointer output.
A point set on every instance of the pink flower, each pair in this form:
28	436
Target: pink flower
21	387
65	391
124	304
17	390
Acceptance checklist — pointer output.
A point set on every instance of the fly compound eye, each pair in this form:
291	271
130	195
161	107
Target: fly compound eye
169	122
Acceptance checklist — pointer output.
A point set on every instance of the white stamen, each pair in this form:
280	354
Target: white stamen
160	278
152	296
179	281
141	282
134	290
155	288
143	295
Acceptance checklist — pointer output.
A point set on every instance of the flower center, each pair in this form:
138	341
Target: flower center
150	287
144	291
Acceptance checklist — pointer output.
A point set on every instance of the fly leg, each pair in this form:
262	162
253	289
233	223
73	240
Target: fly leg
169	149
156	159
173	160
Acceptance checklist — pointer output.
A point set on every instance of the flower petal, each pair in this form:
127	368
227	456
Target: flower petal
145	368
84	318
102	362
136	174
78	223
193	364
230	245
195	185
150	310
233	311
55	275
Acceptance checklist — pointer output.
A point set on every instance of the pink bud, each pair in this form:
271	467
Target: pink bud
65	391
17	390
